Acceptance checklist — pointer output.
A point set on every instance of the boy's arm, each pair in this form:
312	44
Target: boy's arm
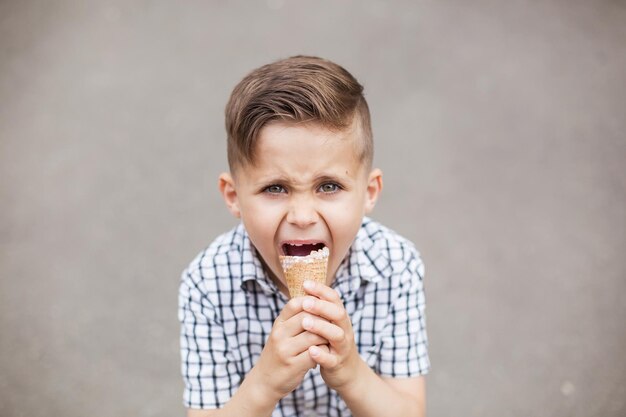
372	395
374	399
283	363
365	392
253	398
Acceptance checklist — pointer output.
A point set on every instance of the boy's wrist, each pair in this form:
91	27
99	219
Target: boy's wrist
354	387
261	392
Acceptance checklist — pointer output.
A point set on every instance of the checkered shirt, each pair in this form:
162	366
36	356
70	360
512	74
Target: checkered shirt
227	305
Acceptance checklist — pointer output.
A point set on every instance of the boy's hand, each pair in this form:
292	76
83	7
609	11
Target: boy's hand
339	362
285	358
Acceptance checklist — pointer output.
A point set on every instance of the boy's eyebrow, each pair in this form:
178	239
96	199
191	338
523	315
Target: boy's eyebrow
283	179
327	177
273	178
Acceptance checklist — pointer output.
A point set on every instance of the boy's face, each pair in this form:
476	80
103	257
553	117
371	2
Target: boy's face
305	189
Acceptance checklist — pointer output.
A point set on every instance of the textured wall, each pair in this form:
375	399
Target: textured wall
500	127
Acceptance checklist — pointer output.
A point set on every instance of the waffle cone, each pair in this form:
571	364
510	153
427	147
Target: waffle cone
298	269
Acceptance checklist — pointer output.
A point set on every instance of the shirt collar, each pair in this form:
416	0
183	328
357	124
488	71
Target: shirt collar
251	267
372	264
366	261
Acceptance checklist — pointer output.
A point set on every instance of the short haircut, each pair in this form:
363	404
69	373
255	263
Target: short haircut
300	89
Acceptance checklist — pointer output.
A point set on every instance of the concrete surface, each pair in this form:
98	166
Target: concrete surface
500	128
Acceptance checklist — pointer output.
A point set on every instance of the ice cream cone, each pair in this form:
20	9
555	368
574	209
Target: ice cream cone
298	269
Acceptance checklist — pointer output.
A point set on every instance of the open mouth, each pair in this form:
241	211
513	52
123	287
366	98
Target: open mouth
301	249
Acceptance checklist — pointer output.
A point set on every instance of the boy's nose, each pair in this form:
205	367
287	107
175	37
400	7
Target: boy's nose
302	213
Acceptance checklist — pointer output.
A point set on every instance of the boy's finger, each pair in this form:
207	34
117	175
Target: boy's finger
321	291
330	311
323	357
305	358
305	361
331	332
293	326
293	307
303	341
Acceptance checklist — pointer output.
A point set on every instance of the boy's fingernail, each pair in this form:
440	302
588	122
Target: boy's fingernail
308	284
307	304
314	350
307	322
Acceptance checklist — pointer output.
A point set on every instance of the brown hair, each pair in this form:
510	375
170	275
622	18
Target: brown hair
297	89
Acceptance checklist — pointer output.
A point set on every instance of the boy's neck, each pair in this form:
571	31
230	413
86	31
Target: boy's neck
281	287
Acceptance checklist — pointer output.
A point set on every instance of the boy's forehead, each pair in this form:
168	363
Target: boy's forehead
304	144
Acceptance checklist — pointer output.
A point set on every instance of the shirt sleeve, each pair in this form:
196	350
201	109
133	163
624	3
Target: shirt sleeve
210	378
404	343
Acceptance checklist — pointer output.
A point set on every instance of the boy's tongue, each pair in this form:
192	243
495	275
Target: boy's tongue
301	250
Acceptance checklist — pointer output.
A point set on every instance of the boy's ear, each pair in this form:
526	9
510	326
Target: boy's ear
226	184
374	187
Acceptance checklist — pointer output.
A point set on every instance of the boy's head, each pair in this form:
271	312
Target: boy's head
300	153
300	89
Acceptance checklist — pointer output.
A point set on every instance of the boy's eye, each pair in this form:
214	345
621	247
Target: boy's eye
329	187
275	189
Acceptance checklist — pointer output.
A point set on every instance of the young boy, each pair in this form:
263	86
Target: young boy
300	154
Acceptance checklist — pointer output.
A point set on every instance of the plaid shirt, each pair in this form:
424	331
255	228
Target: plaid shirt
227	305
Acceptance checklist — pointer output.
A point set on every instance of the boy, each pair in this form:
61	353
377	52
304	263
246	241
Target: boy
300	153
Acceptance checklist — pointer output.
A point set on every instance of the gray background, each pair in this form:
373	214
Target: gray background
499	126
